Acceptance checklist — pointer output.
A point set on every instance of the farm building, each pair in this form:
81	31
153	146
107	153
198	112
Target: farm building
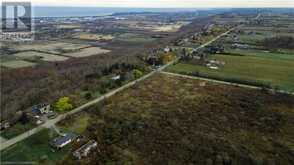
62	141
41	108
117	77
85	149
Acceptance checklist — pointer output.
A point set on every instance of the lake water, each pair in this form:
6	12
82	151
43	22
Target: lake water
92	11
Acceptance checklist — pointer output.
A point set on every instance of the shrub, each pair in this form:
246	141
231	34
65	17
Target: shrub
137	73
88	96
63	104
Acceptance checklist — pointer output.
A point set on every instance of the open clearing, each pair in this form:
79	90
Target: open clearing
17	64
185	121
41	56
51	47
277	70
169	28
87	52
154	26
68	26
133	37
78	124
96	37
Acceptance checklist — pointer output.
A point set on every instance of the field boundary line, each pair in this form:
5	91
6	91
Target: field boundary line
223	82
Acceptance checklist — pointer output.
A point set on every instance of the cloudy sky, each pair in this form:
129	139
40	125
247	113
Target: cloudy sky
165	3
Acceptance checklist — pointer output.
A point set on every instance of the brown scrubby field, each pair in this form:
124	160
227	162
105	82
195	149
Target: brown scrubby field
171	120
95	37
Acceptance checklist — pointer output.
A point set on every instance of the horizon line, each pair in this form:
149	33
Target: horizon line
200	7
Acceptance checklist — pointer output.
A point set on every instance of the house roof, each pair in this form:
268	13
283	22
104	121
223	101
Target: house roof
86	147
38	106
62	139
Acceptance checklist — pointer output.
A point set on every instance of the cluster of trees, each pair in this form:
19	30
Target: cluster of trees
160	59
278	42
126	72
63	104
120	68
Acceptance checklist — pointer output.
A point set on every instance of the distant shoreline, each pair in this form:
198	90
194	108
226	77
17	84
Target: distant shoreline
79	12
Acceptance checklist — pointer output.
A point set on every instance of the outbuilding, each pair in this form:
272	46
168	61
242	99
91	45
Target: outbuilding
85	149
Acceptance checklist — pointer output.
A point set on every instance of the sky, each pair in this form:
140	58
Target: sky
163	3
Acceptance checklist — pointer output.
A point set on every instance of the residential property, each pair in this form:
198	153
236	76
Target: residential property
85	149
115	78
4	125
240	46
214	67
62	141
42	108
214	49
167	49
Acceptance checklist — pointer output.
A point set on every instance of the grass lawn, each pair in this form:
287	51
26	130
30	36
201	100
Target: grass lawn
77	124
34	149
16	129
278	70
251	39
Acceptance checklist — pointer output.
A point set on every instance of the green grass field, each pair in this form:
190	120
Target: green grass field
132	37
283	54
77	125
276	69
34	149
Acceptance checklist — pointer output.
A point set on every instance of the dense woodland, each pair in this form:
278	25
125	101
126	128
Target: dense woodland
278	42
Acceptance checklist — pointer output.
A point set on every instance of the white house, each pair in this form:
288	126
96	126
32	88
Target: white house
85	149
42	108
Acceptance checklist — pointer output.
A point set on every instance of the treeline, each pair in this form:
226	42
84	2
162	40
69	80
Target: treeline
278	42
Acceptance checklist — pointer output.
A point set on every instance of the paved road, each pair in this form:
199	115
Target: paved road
257	17
52	122
2	140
